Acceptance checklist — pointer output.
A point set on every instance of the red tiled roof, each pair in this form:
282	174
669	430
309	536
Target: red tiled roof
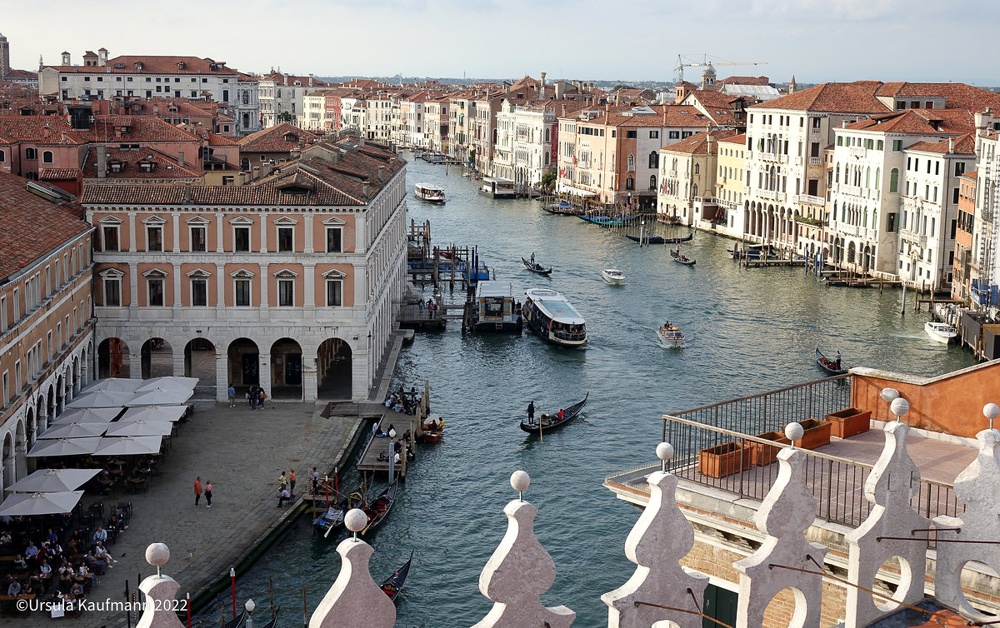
857	97
152	64
963	145
164	166
920	122
58	174
699	144
272	139
735	139
957	95
142	129
21	213
37	129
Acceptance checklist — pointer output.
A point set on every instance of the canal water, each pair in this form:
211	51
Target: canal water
748	331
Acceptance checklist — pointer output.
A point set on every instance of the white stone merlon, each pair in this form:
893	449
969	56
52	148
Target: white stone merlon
160	611
660	539
892	483
972	537
354	599
783	559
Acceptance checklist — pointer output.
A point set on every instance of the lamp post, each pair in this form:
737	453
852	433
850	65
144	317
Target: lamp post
990	411
250	606
899	407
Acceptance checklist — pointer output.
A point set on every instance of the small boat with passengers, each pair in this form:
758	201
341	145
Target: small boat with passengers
941	332
548	421
833	367
535	267
613	276
553	318
429	193
393	585
654	239
670	335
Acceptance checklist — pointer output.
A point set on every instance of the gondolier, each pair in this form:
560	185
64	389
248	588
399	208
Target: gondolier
531	411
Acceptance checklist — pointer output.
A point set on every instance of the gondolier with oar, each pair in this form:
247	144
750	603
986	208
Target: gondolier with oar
531	411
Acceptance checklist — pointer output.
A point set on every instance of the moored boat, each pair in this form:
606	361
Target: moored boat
646	239
535	267
393	585
495	308
613	276
833	367
606	221
431	430
429	193
333	518
670	335
498	187
941	332
548	421
553	318
378	508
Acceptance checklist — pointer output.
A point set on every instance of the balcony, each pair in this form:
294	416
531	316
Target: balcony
806	199
913	238
815	161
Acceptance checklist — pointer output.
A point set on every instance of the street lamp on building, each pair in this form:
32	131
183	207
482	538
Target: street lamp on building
250	606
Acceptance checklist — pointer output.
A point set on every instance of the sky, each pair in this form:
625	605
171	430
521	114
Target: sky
600	40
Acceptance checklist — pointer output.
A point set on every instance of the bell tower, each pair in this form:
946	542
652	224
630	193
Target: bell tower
4	57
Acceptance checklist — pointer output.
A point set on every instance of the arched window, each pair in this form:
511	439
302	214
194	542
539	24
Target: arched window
652	182
30	153
878	178
894	180
868	177
697	168
46	157
694	190
630	182
246	97
654	159
631	162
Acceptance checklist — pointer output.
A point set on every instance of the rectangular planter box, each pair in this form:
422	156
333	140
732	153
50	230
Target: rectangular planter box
817	433
849	422
762	455
723	460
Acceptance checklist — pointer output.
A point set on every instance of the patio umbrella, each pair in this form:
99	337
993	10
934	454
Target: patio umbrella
21	504
160	397
153	413
88	415
100	399
53	480
185	383
74	430
140	427
114	384
128	446
64	447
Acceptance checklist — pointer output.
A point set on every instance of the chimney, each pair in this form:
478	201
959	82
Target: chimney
541	88
102	162
180	159
187	192
286	80
381	174
310	80
365	189
951	145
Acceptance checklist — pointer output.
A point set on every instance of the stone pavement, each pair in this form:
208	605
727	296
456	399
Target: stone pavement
242	452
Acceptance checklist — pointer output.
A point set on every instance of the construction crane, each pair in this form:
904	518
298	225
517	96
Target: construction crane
686	62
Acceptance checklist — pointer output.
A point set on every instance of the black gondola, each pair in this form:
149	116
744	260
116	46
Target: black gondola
237	621
333	518
551	421
680	258
661	239
535	267
378	508
828	365
274	618
394	583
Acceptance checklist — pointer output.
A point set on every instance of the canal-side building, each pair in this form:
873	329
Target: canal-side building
983	285
462	113
965	266
731	184
290	282
437	129
282	98
46	320
688	176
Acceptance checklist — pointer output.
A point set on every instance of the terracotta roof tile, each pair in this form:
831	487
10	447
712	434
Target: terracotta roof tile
153	64
273	139
858	97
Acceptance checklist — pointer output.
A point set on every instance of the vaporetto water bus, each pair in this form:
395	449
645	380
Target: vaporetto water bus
553	318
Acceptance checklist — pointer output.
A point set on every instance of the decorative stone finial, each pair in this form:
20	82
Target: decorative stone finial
990	411
889	394
520	481
664	451
793	432
354	599
157	555
899	407
355	520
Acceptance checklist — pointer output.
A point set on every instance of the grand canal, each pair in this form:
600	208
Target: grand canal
748	331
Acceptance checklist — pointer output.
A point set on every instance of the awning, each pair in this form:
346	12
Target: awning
583	193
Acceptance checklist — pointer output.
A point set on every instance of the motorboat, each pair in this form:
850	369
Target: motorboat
670	335
613	276
429	193
553	318
941	332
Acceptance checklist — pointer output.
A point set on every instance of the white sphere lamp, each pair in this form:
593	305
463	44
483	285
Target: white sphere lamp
899	407
664	451
991	411
520	481
793	432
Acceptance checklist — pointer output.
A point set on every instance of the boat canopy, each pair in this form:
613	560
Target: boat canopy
487	289
555	306
578	192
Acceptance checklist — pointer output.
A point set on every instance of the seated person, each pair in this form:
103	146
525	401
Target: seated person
14	588
283	496
65	572
95	564
5	538
31	552
100	535
86	574
51	537
102	554
27	588
76	591
72	546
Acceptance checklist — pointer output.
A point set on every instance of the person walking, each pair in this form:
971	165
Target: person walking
252	396
282	482
197	491
232	396
531	411
315	479
208	493
291	482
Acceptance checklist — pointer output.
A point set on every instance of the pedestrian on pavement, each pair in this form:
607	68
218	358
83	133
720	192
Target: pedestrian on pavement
282	482
291	482
283	496
232	396
252	396
315	479
197	490
261	397
208	492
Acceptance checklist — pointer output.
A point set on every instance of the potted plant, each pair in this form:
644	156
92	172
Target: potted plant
762	455
723	460
849	422
816	433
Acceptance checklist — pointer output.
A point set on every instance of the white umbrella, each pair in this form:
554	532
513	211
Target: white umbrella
88	415
74	430
100	399
21	504
53	480
64	447
115	384
140	427
160	397
128	446
153	413
185	383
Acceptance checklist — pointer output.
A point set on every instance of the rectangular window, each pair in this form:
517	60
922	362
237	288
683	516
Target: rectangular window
6	387
286	292
630	134
155	291
199	292
814	149
241	239
17	306
285	239
17	376
243	292
112	291
334	292
48	338
110	235
334	239
154	238
653	135
199	238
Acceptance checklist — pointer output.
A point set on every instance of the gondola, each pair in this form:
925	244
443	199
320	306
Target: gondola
431	430
535	267
333	518
828	365
680	258
551	421
393	585
646	239
378	508
686	238
237	621
274	618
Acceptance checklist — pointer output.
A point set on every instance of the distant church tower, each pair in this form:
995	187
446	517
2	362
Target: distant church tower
791	85
708	78
4	57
